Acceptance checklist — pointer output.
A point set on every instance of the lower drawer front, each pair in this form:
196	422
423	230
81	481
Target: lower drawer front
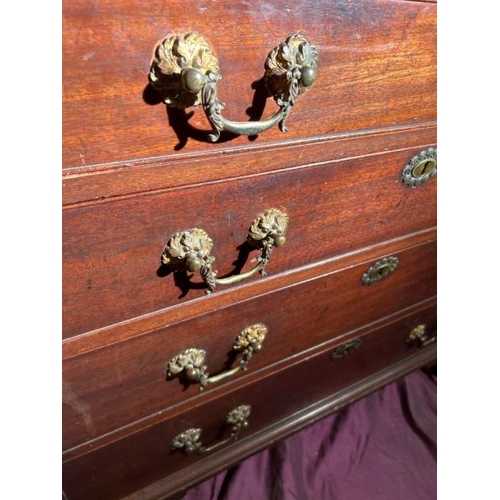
123	382
131	463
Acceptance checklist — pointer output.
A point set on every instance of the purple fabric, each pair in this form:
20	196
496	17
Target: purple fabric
382	447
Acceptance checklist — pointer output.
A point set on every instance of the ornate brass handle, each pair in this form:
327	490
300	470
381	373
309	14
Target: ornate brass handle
185	71
190	250
190	363
419	335
189	440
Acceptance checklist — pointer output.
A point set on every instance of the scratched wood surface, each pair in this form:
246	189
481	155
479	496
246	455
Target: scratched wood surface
377	69
128	394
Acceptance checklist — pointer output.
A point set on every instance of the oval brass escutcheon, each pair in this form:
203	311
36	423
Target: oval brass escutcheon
380	270
346	348
420	168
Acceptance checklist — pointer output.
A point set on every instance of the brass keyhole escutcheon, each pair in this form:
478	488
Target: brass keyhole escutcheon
420	168
380	270
425	167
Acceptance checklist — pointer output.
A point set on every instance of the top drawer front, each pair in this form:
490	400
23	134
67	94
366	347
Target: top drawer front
377	69
112	250
125	381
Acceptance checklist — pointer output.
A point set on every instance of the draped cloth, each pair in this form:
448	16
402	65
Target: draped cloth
382	447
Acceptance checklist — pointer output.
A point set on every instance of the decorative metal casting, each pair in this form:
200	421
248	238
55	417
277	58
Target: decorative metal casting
189	440
186	72
380	270
346	348
190	363
421	337
190	250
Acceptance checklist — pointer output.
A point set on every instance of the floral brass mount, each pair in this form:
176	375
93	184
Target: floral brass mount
190	250
421	337
346	348
190	363
185	71
189	440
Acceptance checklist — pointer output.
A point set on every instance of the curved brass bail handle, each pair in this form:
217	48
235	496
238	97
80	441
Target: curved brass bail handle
186	72
189	440
190	363
190	250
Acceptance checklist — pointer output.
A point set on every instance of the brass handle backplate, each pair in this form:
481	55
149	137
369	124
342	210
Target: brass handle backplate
185	71
190	363
421	337
420	168
380	270
189	440
190	250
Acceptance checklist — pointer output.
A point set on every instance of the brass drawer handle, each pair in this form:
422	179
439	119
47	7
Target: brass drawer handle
380	270
190	363
189	440
190	250
420	168
346	348
421	337
185	71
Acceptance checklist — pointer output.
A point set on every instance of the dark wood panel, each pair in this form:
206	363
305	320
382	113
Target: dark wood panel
377	69
144	457
126	381
111	251
222	459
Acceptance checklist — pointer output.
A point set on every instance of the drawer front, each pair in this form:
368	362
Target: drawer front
377	69
111	250
127	464
125	381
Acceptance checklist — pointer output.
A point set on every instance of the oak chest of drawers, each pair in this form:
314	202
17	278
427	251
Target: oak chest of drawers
227	281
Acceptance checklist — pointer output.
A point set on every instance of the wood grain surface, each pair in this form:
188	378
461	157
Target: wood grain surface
144	457
111	251
134	172
126	381
377	69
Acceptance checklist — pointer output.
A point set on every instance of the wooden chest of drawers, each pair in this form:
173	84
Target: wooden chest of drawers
165	384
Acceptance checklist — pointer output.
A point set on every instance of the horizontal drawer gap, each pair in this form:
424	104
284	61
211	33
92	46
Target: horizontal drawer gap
153	175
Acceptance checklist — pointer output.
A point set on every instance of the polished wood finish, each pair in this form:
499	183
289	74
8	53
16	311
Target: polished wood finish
222	459
377	69
144	457
135	172
127	379
112	269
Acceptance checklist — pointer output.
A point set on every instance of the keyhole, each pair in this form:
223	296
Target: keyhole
425	167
